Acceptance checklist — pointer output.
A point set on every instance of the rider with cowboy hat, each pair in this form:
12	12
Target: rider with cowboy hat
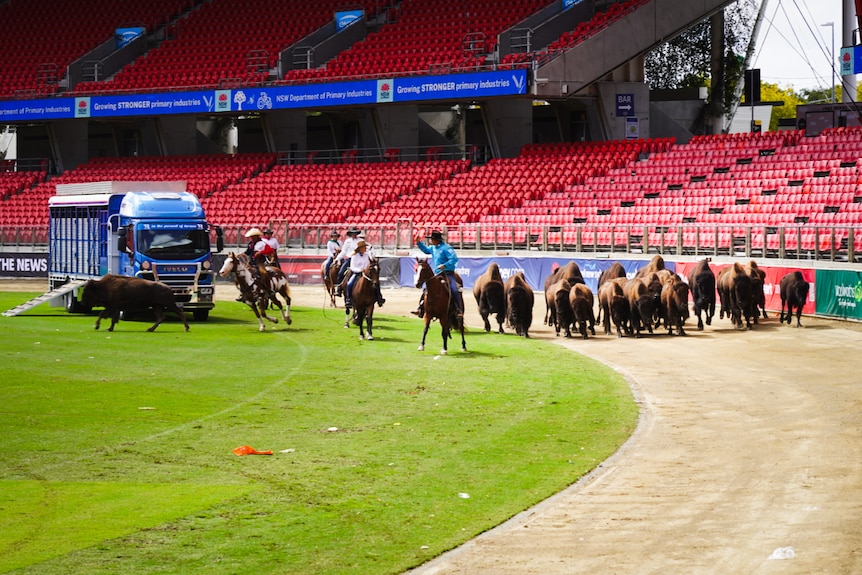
333	247
359	262
443	261
343	258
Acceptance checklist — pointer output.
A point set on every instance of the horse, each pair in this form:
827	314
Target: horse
701	282
363	298
438	303
329	281
794	293
490	296
259	291
519	303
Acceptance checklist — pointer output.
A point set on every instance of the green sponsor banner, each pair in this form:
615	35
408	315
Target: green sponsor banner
839	293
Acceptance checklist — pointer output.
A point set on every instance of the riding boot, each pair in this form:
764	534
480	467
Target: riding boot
420	311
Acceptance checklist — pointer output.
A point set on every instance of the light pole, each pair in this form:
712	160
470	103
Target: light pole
832	54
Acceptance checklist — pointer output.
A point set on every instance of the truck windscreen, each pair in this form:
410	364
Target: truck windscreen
173	244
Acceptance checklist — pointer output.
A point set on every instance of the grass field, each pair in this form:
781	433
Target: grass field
116	448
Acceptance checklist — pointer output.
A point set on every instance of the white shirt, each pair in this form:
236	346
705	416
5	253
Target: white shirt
348	248
272	242
359	262
332	246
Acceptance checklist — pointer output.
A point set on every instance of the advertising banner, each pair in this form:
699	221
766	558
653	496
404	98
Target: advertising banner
471	85
839	293
24	265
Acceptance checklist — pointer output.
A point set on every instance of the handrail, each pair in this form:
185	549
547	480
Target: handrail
837	243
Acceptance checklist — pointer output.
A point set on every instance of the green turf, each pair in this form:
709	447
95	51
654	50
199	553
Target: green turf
115	448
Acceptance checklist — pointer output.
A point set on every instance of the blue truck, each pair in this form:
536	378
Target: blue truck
151	230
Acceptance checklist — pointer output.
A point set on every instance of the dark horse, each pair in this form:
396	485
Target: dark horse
363	298
490	296
439	303
329	280
258	290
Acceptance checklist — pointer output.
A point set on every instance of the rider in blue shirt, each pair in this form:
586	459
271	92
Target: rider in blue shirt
443	261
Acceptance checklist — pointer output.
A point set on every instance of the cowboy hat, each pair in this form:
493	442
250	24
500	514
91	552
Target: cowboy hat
436	235
333	234
253	232
267	231
353	231
359	244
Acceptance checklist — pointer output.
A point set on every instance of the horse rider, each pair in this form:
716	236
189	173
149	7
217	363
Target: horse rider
373	255
343	258
333	247
359	262
443	261
255	236
269	238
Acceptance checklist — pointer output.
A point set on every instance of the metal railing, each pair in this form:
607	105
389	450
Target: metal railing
841	243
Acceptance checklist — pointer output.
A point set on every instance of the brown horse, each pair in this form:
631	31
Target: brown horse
363	298
438	303
490	297
258	290
329	284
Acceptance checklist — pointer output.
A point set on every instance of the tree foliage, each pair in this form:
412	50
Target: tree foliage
684	62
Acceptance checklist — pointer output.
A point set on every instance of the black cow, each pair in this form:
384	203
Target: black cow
120	293
519	303
794	293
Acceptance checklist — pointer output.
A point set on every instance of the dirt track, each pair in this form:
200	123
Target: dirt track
747	459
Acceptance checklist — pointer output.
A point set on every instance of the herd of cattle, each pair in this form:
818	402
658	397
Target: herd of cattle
653	298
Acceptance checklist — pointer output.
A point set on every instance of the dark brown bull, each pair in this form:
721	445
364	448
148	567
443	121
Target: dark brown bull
794	293
674	301
124	294
581	303
734	291
490	296
557	300
641	305
616	270
613	306
701	283
758	296
570	272
519	304
656	264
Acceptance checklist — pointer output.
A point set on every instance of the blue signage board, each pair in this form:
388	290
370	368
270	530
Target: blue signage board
345	18
569	3
472	85
126	35
625	105
851	60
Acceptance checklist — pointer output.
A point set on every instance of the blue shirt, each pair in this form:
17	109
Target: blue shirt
442	256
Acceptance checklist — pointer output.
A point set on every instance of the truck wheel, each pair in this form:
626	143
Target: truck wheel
71	303
201	314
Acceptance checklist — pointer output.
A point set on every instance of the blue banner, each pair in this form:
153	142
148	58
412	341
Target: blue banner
360	92
345	18
126	35
535	269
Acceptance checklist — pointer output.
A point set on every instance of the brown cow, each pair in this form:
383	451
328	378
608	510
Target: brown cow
557	300
674	300
519	303
125	294
794	293
490	296
581	303
641	305
655	264
613	306
570	272
701	283
758	297
734	292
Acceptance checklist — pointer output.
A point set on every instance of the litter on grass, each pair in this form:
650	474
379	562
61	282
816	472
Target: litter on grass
249	450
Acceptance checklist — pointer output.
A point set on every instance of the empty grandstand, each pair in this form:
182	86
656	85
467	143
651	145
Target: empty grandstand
526	127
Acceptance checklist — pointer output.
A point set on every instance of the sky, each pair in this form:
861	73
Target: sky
793	48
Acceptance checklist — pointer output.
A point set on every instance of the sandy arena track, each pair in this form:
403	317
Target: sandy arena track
747	458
